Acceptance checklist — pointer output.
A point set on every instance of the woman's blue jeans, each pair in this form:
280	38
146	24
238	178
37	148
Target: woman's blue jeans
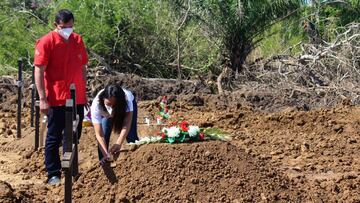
106	124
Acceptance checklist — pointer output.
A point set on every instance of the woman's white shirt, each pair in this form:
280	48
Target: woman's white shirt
97	114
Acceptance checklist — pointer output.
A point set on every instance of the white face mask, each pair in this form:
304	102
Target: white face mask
109	109
65	32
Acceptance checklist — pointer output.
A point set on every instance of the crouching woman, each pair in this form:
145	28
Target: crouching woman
114	109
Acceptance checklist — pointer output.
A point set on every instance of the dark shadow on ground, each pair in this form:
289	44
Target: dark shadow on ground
109	172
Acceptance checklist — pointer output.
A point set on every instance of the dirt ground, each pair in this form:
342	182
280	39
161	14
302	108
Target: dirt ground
283	149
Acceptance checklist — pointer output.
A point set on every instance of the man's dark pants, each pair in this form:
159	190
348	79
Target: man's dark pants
54	137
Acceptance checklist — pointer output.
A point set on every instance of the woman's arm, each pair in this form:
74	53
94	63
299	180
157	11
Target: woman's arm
100	138
123	133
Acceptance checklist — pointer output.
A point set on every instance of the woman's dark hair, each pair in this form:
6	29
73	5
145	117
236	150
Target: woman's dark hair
119	108
64	16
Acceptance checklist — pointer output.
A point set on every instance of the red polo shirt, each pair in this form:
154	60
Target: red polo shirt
64	63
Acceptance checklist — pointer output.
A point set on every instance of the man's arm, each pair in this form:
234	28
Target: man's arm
40	86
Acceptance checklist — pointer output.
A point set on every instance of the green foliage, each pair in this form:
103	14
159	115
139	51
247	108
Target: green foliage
136	32
19	28
327	16
351	13
278	39
141	36
239	23
125	33
7	70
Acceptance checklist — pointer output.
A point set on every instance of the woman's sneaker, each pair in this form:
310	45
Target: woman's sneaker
54	180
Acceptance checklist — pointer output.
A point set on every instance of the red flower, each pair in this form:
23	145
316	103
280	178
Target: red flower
166	110
202	136
184	126
163	135
184	123
173	124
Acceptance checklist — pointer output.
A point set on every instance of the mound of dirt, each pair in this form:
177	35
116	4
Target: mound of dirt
283	149
147	88
316	149
198	172
6	192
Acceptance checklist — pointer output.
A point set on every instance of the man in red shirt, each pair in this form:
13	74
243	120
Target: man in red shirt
60	60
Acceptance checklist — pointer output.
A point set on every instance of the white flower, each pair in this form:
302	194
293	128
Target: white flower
146	139
156	139
173	131
193	130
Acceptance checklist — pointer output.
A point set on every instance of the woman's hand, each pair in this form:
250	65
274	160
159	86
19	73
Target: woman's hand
106	158
115	149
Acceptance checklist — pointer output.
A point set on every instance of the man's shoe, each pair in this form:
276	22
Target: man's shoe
54	180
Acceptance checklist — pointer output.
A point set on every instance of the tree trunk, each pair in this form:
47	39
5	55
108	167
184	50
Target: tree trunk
182	22
238	57
219	80
178	54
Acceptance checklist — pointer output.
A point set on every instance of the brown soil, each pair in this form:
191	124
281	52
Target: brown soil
283	149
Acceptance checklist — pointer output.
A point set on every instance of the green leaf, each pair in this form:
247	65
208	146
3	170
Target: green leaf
171	140
181	138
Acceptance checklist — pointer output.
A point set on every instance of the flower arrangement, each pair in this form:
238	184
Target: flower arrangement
182	132
163	110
